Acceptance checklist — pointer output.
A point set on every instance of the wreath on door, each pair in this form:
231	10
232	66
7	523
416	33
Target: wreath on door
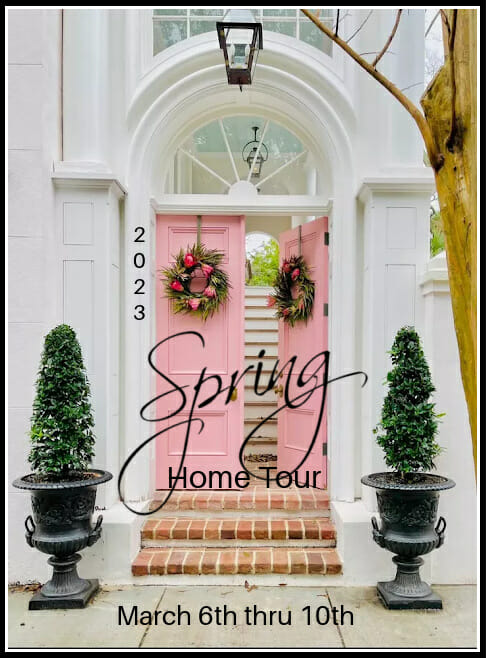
197	261
294	292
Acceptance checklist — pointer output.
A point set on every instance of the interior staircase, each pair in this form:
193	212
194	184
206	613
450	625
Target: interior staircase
251	531
261	333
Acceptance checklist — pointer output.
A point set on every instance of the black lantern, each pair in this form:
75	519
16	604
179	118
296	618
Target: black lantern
240	38
251	152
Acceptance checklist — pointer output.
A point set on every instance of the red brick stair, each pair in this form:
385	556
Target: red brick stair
252	531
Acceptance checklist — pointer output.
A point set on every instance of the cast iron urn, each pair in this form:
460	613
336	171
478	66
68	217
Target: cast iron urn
61	526
409	528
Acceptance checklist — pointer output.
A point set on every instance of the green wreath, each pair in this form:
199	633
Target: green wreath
177	281
293	272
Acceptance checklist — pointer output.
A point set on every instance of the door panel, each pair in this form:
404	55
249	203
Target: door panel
182	359
296	426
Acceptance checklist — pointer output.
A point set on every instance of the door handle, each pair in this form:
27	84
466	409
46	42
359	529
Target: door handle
279	390
234	395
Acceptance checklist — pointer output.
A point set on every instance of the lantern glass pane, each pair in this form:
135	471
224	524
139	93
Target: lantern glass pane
239	35
241	16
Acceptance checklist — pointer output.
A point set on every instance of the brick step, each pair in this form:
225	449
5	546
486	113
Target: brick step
255	498
243	560
238	529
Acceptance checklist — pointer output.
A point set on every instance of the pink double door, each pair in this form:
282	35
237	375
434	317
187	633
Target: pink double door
182	359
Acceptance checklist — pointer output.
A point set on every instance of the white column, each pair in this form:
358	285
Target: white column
406	144
395	251
456	562
87	264
85	86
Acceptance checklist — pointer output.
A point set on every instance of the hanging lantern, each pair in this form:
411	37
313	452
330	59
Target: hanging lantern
251	152
240	38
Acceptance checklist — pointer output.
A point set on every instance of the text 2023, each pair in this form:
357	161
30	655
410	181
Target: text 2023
139	262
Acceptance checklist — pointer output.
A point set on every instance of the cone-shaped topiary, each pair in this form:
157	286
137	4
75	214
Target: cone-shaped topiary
61	427
409	423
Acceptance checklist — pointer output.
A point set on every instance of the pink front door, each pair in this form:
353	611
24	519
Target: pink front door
296	427
182	359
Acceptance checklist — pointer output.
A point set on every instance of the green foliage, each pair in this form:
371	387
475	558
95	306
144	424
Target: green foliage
293	277
61	433
437	239
409	424
265	264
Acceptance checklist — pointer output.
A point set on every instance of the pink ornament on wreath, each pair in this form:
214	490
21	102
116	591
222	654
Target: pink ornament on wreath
286	267
295	273
286	311
209	291
206	269
193	303
189	260
177	286
271	301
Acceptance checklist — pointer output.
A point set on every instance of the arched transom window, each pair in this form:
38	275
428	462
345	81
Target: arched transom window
243	148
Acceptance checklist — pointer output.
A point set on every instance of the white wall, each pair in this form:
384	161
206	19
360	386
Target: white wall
33	144
456	562
272	225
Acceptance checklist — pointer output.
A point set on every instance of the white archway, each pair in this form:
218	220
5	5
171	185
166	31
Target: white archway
294	87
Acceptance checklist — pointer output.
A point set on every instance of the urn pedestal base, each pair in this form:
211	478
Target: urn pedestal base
73	602
394	602
66	590
407	591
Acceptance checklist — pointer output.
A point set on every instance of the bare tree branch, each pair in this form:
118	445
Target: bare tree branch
435	157
432	23
445	25
375	52
389	40
358	29
451	45
416	84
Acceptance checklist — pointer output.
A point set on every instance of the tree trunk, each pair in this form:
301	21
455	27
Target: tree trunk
450	106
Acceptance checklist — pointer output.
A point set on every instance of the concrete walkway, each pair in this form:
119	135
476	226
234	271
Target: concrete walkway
97	626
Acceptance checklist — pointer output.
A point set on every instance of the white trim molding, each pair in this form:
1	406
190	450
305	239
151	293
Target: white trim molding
407	183
222	204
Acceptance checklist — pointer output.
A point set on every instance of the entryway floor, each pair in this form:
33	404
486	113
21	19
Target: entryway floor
373	626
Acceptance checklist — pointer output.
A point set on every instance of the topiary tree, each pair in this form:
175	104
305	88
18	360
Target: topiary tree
61	426
409	423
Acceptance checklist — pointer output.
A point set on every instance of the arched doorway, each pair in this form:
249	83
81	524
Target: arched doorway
163	121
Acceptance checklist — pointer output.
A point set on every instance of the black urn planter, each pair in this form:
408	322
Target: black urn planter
409	528
61	527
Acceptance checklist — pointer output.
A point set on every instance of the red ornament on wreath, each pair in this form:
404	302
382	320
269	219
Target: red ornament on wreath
177	281
293	276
